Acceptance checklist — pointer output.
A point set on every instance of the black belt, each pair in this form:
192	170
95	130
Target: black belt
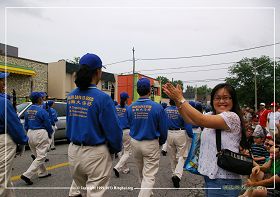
82	144
174	129
126	128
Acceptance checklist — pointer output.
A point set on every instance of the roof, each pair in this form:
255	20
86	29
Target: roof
21	58
17	69
71	68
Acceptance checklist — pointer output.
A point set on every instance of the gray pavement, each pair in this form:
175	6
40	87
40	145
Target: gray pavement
57	185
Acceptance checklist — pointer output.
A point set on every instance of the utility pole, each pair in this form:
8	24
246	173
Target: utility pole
255	77
133	74
252	65
195	96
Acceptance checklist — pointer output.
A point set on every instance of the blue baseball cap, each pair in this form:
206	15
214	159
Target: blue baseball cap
124	95
91	60
43	94
50	103
143	83
3	75
35	95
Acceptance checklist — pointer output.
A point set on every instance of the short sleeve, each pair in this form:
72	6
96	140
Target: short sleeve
232	120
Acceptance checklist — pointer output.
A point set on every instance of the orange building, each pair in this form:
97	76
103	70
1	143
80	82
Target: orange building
125	84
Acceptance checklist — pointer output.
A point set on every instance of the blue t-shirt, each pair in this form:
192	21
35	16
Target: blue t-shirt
92	119
147	120
122	115
14	127
36	117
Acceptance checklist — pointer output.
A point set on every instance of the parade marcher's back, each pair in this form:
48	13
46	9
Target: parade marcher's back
11	135
39	129
122	115
93	129
176	142
53	114
148	130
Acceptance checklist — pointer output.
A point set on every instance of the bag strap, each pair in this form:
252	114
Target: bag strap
218	140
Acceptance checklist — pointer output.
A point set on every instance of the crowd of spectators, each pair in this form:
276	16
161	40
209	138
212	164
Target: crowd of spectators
263	137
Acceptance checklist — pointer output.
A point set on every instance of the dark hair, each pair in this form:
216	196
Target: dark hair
84	77
122	103
235	108
35	101
172	102
277	139
143	91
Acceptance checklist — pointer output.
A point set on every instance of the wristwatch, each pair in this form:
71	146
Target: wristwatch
181	102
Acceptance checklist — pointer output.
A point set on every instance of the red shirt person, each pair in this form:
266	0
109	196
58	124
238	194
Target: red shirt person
262	115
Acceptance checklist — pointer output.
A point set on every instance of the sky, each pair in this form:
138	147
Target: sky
49	31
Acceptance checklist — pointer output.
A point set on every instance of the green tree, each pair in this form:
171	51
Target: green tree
202	93
190	92
163	81
75	60
178	82
242	78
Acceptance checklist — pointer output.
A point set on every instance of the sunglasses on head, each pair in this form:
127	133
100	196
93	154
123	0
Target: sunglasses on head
267	144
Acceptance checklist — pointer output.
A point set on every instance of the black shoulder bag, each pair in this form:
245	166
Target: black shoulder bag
231	161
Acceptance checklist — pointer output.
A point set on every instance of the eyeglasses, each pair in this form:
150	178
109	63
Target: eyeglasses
219	98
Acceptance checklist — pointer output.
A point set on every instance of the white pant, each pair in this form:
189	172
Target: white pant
7	156
146	155
39	144
74	190
176	146
52	140
91	168
122	164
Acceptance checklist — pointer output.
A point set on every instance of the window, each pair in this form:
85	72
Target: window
106	85
60	108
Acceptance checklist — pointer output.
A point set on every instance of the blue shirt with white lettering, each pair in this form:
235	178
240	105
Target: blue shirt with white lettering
174	119
92	119
14	127
36	117
122	115
147	120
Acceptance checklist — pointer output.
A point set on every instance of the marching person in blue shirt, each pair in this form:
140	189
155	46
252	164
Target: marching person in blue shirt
148	130
37	123
93	129
164	146
54	118
122	115
177	143
12	139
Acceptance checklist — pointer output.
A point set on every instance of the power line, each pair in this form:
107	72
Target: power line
204	80
117	62
207	55
181	67
204	65
194	56
190	71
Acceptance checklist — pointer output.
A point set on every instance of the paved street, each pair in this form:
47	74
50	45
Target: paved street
57	185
